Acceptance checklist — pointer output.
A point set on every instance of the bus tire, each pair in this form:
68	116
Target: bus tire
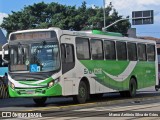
40	101
132	88
82	93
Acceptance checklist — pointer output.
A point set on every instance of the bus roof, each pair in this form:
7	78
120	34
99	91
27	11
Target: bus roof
107	33
93	33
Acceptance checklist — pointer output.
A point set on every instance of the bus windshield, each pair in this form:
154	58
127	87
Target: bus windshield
45	57
34	57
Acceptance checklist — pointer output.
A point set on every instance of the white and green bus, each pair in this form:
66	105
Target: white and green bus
54	62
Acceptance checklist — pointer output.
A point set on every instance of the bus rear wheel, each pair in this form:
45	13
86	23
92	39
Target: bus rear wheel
82	93
132	88
40	101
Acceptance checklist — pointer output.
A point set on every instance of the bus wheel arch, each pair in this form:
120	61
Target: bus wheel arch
83	91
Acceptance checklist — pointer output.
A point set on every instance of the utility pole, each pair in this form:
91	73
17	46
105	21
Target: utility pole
104	12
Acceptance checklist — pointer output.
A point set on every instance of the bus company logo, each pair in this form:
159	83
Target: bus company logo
6	114
94	71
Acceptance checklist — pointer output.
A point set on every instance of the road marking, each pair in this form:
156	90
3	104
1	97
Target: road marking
60	107
94	103
115	109
124	108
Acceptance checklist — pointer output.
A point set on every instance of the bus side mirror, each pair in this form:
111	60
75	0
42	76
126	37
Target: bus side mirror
4	64
5	52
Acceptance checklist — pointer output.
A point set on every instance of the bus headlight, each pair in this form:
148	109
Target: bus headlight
50	84
12	85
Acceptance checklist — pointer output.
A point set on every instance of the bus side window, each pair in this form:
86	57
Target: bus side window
121	50
151	52
83	48
96	49
67	56
109	48
132	51
142	52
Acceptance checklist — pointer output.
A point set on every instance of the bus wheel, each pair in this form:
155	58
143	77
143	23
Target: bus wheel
82	93
40	101
132	88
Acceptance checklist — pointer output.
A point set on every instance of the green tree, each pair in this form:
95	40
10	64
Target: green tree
43	15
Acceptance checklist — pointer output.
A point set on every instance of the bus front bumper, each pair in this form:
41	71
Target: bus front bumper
55	90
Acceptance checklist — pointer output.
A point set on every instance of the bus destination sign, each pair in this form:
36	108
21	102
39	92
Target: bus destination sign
32	35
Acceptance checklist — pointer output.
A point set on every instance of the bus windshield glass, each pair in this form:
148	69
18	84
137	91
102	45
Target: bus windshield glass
44	57
34	57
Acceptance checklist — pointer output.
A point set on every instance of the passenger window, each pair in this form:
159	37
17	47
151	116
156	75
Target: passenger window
96	48
82	47
142	52
109	48
151	52
132	51
121	50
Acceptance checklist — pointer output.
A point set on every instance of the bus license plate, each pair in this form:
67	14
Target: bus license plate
30	92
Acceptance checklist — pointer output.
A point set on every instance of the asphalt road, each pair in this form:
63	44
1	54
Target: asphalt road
61	107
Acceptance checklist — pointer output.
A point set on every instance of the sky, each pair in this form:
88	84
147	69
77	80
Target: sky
124	8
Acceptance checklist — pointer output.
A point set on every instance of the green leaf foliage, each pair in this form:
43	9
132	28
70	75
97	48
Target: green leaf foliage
43	15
